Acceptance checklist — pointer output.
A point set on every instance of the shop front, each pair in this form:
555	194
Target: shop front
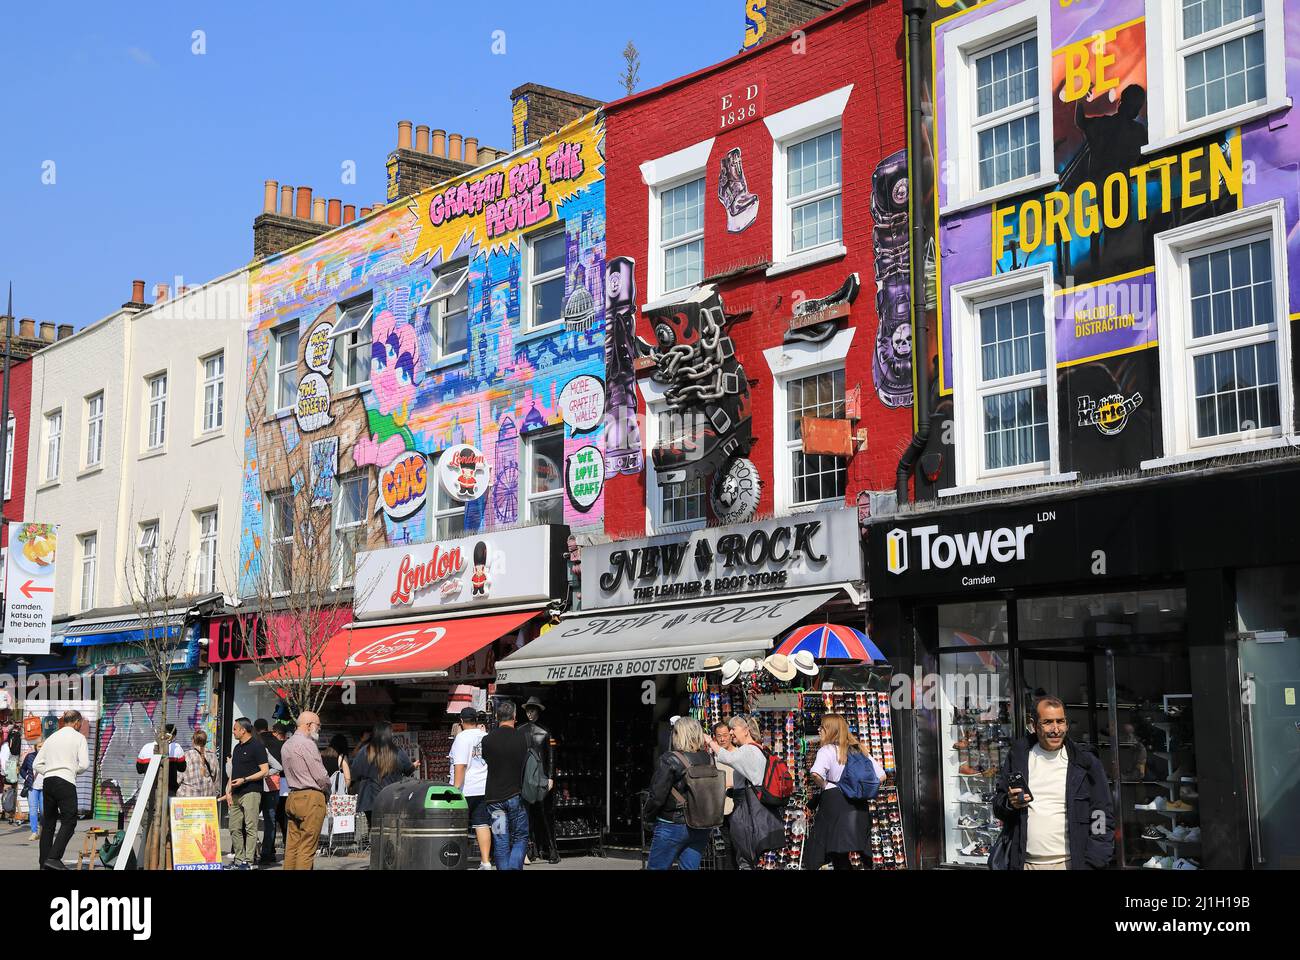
660	616
428	623
1163	614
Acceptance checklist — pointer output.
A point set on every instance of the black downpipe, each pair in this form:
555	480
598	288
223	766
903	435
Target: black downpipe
914	10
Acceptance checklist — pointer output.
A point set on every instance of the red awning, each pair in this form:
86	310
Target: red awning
421	648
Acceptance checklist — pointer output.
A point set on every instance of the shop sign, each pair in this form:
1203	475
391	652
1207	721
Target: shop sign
404	485
463	471
778	554
510	566
29	586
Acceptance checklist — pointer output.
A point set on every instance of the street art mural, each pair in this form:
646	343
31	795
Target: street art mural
1095	227
891	366
710	409
488	309
622	433
734	194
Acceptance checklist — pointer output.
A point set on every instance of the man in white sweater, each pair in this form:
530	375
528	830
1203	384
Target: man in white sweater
60	760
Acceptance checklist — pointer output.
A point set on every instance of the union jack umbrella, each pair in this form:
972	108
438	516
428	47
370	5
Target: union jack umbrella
831	641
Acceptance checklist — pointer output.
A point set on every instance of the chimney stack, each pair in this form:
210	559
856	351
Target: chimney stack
65	331
781	18
418	166
27	328
545	110
403	134
159	293
334	212
439	148
349	212
269	190
137	301
47	331
454	150
286	224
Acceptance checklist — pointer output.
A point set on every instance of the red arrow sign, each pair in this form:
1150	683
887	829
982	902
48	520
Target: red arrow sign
27	589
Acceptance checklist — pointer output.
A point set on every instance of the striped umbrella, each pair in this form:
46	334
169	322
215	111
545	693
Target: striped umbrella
831	641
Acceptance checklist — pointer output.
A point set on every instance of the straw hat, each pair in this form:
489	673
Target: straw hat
713	663
779	666
804	662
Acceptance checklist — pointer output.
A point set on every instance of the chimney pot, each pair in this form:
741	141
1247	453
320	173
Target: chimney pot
286	201
27	328
365	211
65	331
269	190
439	147
454	150
471	151
47	331
334	214
137	291
422	139
318	210
403	134
159	293
304	203
349	212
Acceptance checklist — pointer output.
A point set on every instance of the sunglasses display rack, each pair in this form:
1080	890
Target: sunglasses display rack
711	702
434	749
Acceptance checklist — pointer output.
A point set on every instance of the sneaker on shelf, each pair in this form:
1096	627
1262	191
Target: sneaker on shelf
1152	833
970	823
1183	863
1177	806
1153	863
1193	835
1157	804
1187	793
1178	833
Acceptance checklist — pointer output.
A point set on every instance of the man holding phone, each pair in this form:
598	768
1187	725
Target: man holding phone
1054	800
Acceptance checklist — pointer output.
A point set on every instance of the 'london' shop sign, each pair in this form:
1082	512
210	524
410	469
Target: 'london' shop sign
779	554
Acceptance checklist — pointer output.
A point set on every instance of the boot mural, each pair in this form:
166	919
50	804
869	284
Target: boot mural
734	193
891	365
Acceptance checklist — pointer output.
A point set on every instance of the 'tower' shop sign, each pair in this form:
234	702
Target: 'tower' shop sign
779	554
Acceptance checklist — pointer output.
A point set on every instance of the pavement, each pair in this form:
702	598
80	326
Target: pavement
17	852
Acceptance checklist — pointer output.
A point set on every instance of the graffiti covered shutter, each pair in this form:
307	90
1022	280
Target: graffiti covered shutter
127	724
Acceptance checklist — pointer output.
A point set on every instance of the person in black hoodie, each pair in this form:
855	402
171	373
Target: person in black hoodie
673	839
1067	821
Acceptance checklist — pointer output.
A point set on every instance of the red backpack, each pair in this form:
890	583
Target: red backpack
778	785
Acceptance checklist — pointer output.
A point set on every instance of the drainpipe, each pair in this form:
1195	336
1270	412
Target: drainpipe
914	11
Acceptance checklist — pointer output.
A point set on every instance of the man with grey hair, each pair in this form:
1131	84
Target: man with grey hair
247	767
504	750
308	783
60	761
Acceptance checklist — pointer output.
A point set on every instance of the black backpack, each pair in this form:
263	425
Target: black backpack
705	789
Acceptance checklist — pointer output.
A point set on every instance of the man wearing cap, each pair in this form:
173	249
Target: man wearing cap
539	814
469	776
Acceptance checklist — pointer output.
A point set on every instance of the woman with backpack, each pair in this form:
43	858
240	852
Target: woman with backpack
680	791
199	778
378	764
32	783
842	824
756	827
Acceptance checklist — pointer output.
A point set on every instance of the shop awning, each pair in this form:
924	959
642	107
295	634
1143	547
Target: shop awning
656	639
395	651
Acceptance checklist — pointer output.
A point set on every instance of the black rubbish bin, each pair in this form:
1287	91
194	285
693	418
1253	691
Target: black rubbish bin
419	825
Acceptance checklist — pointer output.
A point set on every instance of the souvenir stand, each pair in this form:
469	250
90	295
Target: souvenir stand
789	714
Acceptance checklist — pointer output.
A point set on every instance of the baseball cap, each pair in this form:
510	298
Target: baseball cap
468	715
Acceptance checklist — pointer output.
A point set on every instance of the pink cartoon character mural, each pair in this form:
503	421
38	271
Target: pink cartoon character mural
394	362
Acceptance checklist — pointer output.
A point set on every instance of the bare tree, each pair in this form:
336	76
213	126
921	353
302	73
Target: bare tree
631	74
156	583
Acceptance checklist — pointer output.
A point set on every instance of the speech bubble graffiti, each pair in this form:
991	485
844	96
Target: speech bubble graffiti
313	407
319	353
582	403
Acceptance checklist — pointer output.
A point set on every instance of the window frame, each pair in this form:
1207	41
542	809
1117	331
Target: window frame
1173	251
969	389
663	246
90	558
277	538
217	386
53	445
659	175
440	513
280	367
355	527
438	310
963	44
531	279
94	430
789	204
529	440
1167	122
156	404
656	405
147	552
348	342
205	540
788	445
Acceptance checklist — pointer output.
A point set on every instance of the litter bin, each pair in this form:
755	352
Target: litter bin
419	825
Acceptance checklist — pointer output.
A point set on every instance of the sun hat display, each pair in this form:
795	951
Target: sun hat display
805	663
779	666
730	671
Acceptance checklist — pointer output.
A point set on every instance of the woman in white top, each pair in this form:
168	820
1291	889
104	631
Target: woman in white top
755	828
842	826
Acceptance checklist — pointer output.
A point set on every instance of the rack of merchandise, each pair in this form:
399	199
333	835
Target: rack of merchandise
790	727
434	749
1179	841
579	806
976	742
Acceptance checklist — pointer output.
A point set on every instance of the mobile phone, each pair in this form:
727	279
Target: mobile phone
1016	781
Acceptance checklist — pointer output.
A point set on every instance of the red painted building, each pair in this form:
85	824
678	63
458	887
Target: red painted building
15	479
759	209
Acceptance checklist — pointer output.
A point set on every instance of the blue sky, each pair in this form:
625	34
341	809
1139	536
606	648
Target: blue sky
159	154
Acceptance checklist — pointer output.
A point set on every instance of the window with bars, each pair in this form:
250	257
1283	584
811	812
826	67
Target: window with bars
286	366
281	520
157	411
448	303
547	255
814	478
1012	384
206	572
1224	59
89	553
1232	348
350	498
544	482
214	392
681	235
352	339
94	429
812	195
53	444
1006	119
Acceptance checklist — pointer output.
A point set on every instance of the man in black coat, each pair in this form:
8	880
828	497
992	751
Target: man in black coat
1065	819
541	817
